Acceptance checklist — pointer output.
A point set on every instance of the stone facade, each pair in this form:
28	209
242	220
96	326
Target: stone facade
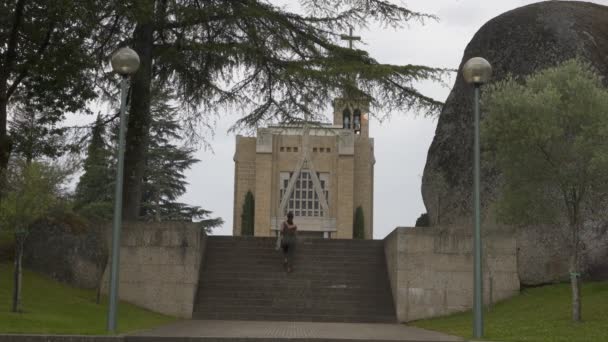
159	266
342	156
431	270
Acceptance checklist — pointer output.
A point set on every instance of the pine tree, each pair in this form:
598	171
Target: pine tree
164	180
275	64
166	161
36	134
94	190
359	224
248	215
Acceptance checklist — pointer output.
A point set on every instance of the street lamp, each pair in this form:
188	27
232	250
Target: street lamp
477	71
125	62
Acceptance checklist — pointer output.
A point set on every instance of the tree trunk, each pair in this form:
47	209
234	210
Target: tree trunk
5	145
139	117
9	54
17	274
575	278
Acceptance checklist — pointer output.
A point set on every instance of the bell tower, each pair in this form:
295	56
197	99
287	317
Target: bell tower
349	112
352	114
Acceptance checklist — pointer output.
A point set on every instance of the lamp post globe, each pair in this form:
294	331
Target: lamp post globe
125	61
477	70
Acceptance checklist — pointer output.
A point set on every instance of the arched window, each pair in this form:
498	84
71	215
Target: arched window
346	118
357	120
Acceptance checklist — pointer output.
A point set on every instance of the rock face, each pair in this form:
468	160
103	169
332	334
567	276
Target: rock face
75	255
518	42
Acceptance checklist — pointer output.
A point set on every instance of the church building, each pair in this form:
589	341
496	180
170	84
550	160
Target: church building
322	172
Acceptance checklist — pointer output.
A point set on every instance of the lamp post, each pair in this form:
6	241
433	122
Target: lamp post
125	62
477	71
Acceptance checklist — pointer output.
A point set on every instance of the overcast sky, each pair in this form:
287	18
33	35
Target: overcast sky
401	143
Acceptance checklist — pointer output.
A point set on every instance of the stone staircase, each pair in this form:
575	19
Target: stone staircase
242	278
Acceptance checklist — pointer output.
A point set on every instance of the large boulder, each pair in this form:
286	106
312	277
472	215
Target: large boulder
518	42
68	250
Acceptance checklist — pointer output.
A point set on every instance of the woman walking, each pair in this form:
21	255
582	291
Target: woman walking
288	241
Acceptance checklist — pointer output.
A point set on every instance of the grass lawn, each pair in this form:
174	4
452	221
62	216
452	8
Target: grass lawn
54	308
537	314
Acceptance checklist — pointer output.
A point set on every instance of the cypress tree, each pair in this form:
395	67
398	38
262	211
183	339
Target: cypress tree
359	224
94	190
248	215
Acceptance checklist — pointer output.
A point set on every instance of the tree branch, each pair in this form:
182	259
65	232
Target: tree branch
11	50
36	57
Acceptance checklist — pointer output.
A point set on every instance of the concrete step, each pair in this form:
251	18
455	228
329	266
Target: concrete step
306	297
230	252
280	274
298	317
248	285
226	264
243	278
289	306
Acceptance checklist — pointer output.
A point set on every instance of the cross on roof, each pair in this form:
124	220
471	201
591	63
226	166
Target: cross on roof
350	37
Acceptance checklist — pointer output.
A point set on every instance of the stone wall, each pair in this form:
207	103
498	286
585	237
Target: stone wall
159	266
68	251
431	270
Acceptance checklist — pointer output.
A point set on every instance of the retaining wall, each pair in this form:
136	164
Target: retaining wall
431	270
159	266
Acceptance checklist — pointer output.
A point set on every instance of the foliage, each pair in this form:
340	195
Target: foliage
33	190
164	180
273	64
248	215
359	224
165	164
258	55
423	220
45	60
547	135
94	189
36	134
520	320
55	308
96	211
175	211
7	246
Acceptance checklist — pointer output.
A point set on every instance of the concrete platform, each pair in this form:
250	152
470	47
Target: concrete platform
211	330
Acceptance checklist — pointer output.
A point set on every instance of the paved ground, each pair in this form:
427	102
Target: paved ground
297	330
